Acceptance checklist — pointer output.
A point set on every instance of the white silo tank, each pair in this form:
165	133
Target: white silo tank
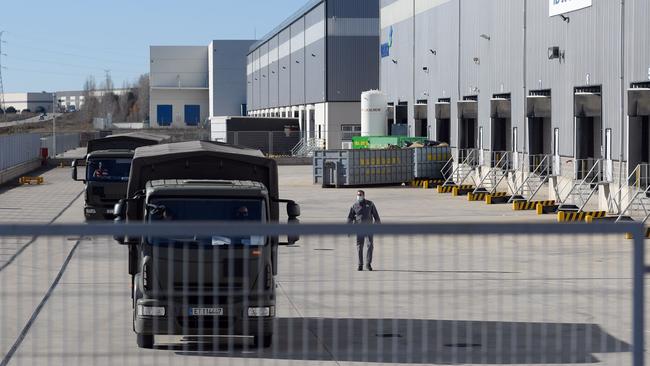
373	113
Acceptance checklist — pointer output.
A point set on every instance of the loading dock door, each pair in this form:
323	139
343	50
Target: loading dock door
500	124
443	122
639	133
538	110
192	115
164	114
467	126
588	131
421	120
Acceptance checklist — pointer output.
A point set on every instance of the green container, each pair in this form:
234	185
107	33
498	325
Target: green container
383	142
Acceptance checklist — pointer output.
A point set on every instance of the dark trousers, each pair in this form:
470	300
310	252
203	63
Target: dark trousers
360	242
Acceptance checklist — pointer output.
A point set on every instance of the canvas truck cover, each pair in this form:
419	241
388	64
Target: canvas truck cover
203	160
127	141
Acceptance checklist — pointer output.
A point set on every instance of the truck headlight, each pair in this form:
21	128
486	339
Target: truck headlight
151	310
259	312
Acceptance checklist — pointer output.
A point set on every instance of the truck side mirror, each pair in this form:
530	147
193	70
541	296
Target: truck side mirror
293	210
119	211
293	239
75	164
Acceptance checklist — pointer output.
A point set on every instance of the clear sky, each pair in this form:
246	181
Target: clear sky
56	45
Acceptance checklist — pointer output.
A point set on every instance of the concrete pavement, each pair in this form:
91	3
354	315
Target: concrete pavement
432	300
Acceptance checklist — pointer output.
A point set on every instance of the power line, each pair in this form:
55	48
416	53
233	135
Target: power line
64	73
20	45
68	45
11	57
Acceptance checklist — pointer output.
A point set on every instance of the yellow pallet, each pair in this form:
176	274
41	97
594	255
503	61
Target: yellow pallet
31	180
564	216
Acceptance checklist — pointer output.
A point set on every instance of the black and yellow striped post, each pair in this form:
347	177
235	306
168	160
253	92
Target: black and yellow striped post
629	236
497	198
473	197
546	209
598	216
462	190
568	216
446	189
530	205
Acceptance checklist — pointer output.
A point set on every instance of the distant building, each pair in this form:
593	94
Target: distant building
189	84
35	102
75	98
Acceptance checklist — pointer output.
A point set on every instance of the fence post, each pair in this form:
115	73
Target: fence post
638	321
270	143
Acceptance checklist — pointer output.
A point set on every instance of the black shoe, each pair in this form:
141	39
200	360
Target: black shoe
369	267
360	268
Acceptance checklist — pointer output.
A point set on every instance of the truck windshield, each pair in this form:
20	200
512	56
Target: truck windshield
201	210
108	170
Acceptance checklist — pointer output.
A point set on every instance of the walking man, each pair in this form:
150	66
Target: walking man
364	211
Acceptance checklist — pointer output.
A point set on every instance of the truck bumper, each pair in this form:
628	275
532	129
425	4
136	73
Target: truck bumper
178	321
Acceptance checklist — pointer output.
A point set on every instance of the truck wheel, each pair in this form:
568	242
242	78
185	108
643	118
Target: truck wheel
265	340
145	341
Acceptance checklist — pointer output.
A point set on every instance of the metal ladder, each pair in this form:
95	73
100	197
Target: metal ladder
501	168
638	209
584	185
537	170
464	170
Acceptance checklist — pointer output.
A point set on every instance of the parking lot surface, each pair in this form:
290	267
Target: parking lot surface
469	299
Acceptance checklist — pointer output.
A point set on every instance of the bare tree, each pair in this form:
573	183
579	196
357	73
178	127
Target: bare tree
143	97
90	107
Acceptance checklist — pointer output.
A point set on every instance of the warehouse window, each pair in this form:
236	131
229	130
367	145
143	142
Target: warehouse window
350	131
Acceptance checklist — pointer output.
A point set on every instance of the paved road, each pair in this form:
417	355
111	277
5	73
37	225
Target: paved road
444	300
27	121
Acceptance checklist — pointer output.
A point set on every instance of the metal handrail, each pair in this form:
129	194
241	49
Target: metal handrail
542	169
591	180
296	149
468	163
498	171
448	168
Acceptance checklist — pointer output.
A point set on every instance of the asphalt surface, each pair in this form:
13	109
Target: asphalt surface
431	300
27	121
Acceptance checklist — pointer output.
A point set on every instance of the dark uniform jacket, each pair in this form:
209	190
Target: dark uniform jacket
363	213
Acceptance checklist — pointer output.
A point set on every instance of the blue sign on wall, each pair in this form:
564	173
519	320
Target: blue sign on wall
385	47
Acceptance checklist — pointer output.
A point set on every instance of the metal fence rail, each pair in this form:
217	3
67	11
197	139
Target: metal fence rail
18	149
440	294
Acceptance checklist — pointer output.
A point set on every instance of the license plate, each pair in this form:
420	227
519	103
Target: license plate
206	311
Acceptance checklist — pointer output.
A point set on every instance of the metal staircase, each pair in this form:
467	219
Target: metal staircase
635	203
537	170
501	167
307	146
588	176
464	170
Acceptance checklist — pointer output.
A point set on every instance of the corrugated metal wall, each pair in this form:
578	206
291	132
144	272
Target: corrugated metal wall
329	53
64	142
19	149
591	40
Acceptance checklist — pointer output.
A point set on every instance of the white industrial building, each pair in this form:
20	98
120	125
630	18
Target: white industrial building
75	98
189	84
35	102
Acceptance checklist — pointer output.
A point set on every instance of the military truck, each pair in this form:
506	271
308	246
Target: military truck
203	286
108	162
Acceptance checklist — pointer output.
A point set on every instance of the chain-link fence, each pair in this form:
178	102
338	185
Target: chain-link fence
206	294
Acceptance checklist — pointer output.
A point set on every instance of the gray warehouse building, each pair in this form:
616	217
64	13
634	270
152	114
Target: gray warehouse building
314	66
569	80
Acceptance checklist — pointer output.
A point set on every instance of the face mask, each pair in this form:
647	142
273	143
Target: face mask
360	198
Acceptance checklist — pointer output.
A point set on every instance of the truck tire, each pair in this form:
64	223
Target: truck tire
265	340
145	341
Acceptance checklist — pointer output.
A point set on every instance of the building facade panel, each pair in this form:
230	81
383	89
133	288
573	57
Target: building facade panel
285	68
264	76
315	55
298	62
274	72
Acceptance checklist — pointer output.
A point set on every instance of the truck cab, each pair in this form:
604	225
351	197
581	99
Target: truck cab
108	162
193	285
